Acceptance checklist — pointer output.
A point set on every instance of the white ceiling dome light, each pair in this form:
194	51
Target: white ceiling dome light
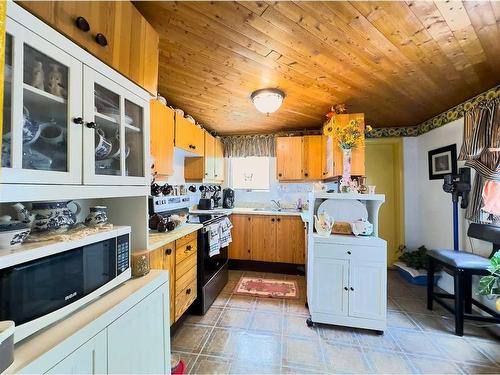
267	100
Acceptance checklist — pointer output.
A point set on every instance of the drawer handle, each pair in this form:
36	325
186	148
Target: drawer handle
82	24
168	251
349	252
101	40
188	291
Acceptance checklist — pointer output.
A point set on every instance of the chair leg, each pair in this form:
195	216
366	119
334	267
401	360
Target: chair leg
430	283
467	286
459	302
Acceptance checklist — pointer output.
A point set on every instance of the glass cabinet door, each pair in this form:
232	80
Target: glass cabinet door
114	147
42	90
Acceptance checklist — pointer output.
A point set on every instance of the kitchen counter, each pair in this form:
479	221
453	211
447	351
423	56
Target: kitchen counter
157	239
250	211
39	352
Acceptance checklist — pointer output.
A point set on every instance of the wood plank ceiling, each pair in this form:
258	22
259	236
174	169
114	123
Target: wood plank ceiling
399	62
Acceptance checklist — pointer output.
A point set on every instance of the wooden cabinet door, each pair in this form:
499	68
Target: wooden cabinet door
209	174
219	161
312	163
329	292
290	240
289	158
327	156
358	153
162	138
163	258
90	358
188	136
240	247
367	289
139	341
263	238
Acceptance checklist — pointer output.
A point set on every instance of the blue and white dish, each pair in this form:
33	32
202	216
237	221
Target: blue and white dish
102	145
97	216
45	216
13	238
31	129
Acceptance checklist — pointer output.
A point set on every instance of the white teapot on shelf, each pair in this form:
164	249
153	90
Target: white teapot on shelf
323	224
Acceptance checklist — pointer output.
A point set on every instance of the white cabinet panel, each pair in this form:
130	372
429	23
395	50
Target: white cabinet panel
90	358
367	294
330	280
136	345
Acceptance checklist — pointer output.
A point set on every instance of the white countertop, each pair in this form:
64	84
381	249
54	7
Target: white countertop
157	239
250	211
45	348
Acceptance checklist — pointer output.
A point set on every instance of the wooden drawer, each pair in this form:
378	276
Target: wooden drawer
184	251
182	281
184	266
185	298
188	238
350	252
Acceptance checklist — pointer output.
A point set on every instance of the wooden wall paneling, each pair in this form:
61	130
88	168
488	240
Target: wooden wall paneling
240	247
263	238
312	159
162	137
419	57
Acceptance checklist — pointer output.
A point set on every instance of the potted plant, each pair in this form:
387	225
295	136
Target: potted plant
490	285
413	265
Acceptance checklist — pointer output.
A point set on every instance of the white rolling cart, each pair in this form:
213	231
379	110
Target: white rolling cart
347	275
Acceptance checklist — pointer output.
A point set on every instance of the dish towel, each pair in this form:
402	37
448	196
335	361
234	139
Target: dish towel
225	232
214	243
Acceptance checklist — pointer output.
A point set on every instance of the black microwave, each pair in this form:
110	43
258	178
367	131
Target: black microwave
38	292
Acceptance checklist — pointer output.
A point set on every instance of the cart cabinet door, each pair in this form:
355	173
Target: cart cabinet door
367	290
139	341
330	280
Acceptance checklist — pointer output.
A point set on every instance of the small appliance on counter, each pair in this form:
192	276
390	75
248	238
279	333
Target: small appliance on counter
206	204
228	198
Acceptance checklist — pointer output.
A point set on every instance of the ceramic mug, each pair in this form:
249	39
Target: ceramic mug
103	146
97	216
51	133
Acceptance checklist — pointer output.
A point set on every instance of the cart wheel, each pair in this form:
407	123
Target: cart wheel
306	305
380	333
309	322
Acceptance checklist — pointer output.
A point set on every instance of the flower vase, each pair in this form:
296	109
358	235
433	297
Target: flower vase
345	183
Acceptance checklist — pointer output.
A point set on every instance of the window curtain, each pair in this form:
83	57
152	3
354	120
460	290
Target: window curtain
248	145
481	151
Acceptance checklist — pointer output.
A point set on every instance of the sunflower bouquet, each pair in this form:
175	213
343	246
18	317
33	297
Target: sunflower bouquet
348	136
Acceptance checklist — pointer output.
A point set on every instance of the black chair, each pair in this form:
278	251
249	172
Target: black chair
462	266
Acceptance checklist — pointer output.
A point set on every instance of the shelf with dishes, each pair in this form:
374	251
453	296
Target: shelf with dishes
113	121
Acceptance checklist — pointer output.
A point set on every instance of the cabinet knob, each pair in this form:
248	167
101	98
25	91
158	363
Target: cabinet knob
278	219
349	252
101	40
216	175
188	247
272	220
168	251
91	125
324	173
248	251
82	24
188	291
345	288
306	174
352	288
206	174
248	219
280	175
78	120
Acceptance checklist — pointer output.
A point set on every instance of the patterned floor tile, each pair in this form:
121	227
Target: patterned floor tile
432	323
372	339
211	365
220	343
188	358
298	352
241	302
415	342
296	326
209	319
344	335
221	300
428	365
267	321
400	320
269	304
345	359
477	369
190	338
257	347
386	362
295	307
233	318
458	349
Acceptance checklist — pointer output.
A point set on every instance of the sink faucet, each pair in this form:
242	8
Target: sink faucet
276	203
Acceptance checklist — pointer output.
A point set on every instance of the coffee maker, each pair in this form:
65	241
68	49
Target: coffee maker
228	198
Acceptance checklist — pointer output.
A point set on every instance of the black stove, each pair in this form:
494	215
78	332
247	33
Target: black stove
204	219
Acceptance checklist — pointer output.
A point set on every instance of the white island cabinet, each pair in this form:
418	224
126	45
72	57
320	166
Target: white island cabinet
126	331
347	275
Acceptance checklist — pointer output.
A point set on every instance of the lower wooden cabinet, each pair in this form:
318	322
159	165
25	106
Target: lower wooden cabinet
179	258
268	238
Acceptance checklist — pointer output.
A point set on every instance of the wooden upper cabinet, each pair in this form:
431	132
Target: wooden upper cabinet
312	161
240	247
263	238
162	137
219	161
358	153
327	161
131	42
290	240
289	153
189	137
209	174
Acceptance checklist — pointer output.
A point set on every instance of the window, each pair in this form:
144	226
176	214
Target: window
250	173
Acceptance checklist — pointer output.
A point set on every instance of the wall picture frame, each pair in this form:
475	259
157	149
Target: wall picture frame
442	161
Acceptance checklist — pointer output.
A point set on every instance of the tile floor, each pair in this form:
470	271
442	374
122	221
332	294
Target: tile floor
247	335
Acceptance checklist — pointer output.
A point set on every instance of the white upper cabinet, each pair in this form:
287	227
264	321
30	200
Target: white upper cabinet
65	123
43	93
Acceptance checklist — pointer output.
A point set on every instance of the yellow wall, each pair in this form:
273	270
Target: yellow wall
384	169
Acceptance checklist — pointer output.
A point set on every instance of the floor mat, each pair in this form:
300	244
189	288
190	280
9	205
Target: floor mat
261	287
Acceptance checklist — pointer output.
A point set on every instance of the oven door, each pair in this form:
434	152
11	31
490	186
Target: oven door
36	288
211	265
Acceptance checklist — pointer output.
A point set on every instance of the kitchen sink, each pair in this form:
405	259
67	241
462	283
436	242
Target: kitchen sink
274	209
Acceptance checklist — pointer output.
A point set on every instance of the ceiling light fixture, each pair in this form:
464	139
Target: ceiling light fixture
267	100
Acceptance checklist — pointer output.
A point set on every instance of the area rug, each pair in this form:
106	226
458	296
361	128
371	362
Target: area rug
258	287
